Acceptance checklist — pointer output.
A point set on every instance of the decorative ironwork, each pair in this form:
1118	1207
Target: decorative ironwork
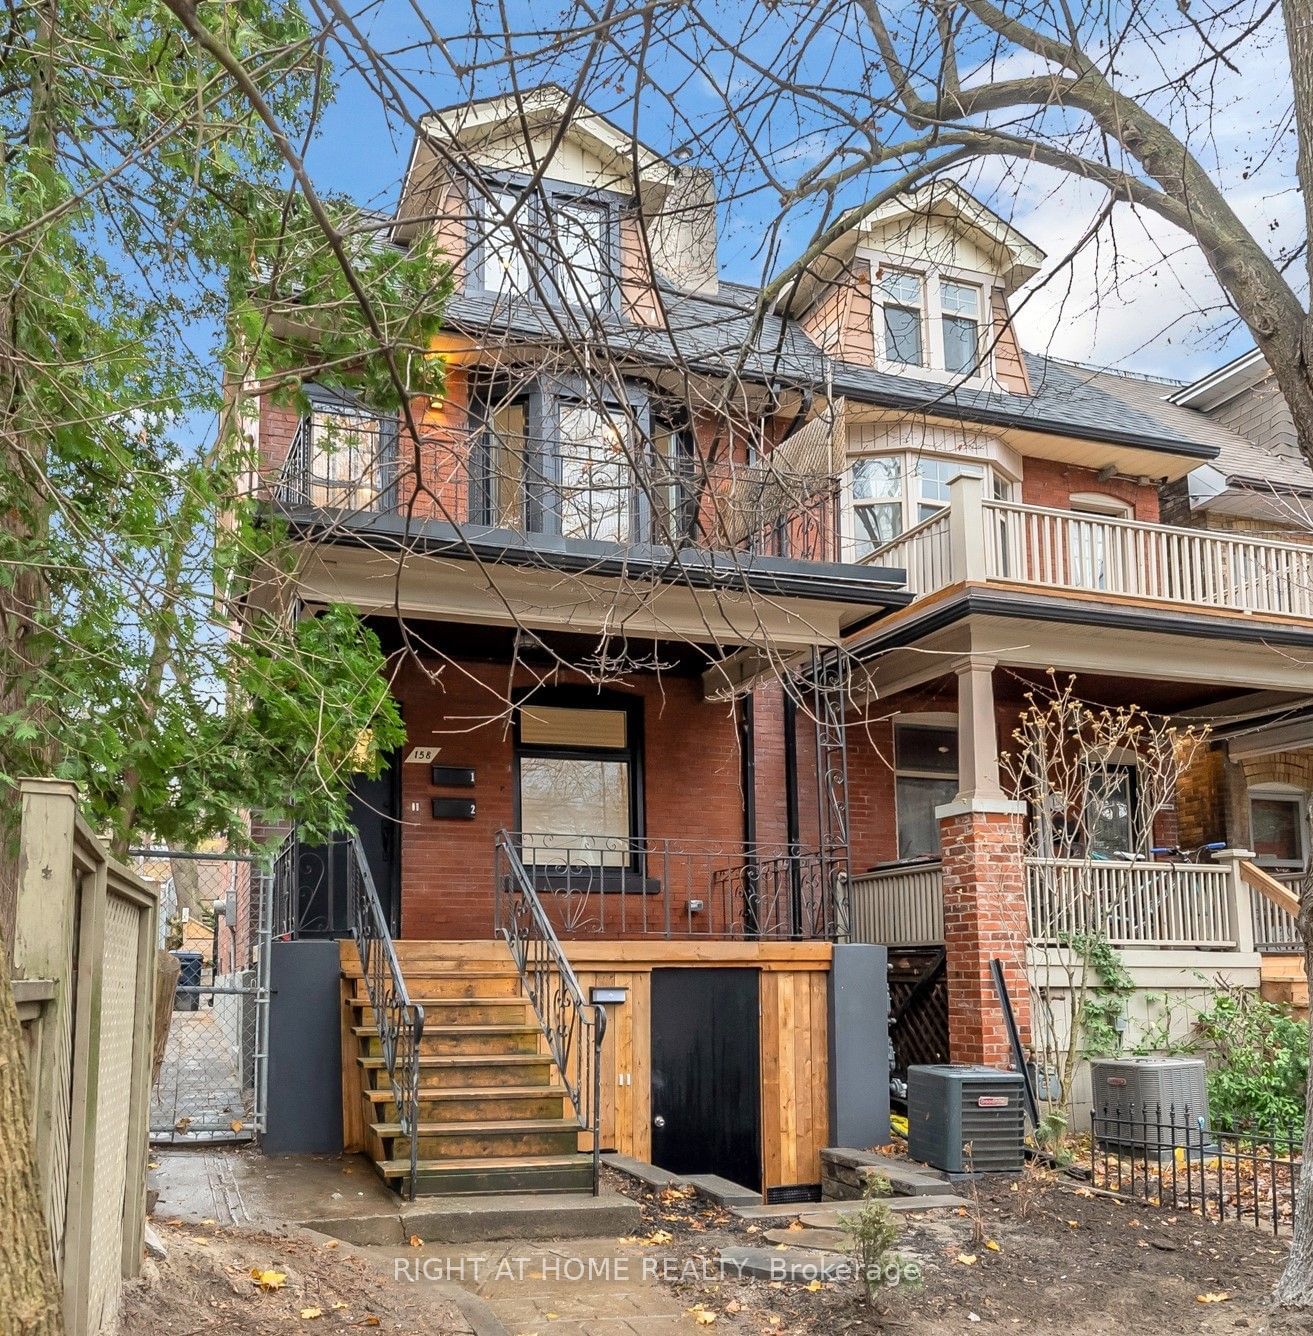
1170	1158
573	1027
299	875
630	886
398	1020
829	680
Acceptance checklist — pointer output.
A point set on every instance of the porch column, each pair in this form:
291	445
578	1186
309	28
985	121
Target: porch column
984	884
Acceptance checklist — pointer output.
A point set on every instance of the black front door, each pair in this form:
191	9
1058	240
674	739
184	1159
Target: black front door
706	1073
375	811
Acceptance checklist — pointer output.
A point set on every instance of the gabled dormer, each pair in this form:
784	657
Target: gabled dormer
535	197
919	287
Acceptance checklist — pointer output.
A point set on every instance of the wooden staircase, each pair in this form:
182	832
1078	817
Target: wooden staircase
493	1116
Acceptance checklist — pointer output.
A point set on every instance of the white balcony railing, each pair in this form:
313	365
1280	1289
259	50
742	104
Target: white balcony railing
978	539
1182	905
898	906
1275	930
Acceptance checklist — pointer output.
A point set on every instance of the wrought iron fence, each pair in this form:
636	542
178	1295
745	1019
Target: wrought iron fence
638	886
398	1020
216	918
1170	1158
605	489
573	1027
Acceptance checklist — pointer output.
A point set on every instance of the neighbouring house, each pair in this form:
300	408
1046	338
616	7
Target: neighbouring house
816	556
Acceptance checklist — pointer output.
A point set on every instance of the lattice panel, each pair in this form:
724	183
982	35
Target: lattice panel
117	1004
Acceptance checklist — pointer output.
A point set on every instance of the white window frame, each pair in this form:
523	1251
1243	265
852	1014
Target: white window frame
912	497
944	280
1286	793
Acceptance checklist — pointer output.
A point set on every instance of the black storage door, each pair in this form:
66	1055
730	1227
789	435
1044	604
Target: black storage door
706	1073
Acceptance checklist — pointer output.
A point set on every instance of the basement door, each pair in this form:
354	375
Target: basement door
706	1073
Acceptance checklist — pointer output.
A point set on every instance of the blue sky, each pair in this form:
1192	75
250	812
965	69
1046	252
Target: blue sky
1138	297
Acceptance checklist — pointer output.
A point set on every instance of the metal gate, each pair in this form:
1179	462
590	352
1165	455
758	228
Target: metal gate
216	916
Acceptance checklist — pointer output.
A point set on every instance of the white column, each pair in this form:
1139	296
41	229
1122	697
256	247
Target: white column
1239	898
966	526
977	733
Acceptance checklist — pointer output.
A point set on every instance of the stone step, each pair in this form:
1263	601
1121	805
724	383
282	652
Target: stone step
814	1240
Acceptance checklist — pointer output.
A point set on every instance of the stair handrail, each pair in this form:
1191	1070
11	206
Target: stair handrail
573	1027
398	1020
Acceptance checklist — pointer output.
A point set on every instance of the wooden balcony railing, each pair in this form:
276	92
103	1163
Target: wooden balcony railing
978	539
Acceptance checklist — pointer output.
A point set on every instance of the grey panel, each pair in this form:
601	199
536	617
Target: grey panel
305	1050
859	1046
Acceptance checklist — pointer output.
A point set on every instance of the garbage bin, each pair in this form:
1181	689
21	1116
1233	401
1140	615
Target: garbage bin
187	996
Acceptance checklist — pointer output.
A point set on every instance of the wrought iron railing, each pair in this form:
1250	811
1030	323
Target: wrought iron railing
605	490
641	886
573	1027
398	1020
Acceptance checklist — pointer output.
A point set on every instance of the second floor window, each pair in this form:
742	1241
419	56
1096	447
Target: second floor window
342	453
901	295
961	321
555	245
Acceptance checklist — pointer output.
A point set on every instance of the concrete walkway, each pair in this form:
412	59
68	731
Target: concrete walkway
585	1287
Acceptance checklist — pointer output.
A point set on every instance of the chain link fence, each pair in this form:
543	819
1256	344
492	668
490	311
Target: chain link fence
216	918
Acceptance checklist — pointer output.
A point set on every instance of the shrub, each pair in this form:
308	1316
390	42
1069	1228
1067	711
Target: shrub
872	1231
1258	1065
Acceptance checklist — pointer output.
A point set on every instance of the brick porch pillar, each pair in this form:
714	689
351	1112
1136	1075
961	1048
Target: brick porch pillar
980	835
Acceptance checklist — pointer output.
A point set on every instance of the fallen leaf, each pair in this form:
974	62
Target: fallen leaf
339	1304
309	1313
966	1259
733	1306
1212	1298
992	1246
369	1320
814	1285
415	1241
268	1280
796	1226
332	1243
704	1317
1073	1224
236	1125
659	1236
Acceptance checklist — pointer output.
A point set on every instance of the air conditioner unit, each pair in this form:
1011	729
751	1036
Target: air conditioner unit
1149	1103
962	1118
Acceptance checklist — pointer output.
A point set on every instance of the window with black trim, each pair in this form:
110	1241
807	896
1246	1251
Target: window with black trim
925	777
346	452
577	768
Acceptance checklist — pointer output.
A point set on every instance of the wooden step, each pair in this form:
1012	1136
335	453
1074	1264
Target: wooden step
463	1104
456	1010
494	1140
530	1173
456	983
491	1040
484	1071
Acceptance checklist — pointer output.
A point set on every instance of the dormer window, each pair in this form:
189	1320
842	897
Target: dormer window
903	300
556	245
960	303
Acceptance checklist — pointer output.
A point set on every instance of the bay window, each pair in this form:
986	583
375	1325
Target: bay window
877	490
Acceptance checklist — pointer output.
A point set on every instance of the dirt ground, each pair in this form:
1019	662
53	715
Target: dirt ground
1062	1261
231	1281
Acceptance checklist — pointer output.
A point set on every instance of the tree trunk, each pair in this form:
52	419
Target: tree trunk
31	1301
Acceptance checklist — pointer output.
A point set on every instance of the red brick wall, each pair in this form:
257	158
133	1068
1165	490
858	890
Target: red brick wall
691	770
984	919
1049	483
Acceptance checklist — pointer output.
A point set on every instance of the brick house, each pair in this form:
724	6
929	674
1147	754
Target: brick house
708	624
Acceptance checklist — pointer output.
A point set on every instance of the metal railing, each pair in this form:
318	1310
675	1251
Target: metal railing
573	1027
398	1020
605	490
1131	904
639	886
1170	1157
898	906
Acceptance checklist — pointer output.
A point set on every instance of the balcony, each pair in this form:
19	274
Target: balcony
975	539
605	490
